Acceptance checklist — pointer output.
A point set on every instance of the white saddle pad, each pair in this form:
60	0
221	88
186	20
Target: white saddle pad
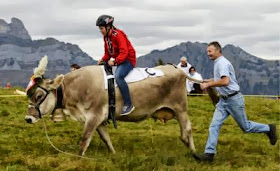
137	74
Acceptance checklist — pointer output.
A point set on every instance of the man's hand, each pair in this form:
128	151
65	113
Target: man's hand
111	62
204	86
224	81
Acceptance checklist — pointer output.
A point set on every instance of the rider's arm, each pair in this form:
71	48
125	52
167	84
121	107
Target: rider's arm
106	56
123	49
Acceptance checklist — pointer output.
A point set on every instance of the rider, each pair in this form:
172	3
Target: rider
118	46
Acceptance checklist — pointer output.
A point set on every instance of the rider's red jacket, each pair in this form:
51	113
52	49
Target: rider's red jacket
119	47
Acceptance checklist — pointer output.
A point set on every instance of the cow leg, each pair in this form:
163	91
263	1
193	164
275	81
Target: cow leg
102	131
186	130
90	126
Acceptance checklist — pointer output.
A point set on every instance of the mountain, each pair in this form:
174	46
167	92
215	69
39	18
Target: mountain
15	29
255	75
19	54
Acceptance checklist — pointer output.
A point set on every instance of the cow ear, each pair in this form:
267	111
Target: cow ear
55	83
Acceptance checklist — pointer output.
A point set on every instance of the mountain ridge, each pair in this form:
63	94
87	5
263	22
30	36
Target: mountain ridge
255	75
19	54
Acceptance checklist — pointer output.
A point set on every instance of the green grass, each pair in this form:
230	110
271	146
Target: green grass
146	145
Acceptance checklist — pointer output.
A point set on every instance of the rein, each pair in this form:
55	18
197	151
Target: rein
57	149
59	104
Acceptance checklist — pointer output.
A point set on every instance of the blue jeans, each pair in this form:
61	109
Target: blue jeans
121	72
234	106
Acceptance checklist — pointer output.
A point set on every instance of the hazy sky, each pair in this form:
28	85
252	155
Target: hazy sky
253	25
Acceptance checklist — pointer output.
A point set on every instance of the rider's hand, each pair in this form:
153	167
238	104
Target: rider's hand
111	62
99	61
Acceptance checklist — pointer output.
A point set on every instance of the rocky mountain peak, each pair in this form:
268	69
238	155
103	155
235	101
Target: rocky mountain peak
15	28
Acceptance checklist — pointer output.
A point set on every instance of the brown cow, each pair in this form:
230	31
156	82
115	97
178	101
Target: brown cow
86	100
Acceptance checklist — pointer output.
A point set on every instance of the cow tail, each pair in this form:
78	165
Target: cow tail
213	95
194	80
211	91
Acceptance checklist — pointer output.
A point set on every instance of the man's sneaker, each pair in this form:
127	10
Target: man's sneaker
204	157
127	110
272	134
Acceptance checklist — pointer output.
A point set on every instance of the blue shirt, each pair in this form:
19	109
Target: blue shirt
223	67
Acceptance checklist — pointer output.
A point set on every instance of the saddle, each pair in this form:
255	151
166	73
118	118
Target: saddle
137	74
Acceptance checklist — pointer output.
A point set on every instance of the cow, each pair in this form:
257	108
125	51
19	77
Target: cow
86	100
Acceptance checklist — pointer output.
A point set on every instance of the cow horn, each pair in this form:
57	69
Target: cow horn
194	80
40	70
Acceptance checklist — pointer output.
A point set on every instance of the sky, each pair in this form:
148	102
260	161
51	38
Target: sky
253	25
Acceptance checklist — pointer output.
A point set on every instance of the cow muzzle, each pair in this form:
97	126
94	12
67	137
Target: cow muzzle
30	119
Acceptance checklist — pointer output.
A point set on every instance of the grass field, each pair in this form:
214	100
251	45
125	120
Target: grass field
146	145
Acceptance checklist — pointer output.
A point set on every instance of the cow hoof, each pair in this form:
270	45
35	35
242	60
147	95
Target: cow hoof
185	142
81	154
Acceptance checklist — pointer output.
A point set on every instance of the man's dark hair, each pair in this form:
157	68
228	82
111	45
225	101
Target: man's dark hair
216	45
192	67
76	66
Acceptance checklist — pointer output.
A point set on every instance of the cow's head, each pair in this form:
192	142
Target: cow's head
41	93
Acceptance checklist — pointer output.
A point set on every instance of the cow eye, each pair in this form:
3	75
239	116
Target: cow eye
38	97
